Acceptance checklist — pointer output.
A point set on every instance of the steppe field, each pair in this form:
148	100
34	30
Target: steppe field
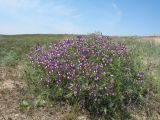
25	96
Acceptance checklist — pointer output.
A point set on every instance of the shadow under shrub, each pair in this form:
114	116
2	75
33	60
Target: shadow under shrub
97	74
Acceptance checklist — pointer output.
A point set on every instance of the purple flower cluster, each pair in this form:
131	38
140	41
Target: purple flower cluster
79	57
91	69
87	68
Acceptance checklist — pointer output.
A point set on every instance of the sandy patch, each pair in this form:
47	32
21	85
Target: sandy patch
8	84
155	39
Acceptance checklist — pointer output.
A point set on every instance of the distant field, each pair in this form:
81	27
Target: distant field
13	89
18	45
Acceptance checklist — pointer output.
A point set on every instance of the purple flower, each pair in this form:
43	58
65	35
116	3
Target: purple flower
79	36
109	60
141	74
82	103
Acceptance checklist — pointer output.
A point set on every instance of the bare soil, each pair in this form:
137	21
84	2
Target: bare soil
12	89
155	39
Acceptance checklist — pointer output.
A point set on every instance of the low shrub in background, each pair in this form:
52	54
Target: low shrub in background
99	75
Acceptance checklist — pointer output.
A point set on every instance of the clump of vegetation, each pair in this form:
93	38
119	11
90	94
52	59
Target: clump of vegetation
9	58
97	74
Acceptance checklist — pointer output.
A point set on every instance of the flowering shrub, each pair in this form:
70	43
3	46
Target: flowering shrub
94	72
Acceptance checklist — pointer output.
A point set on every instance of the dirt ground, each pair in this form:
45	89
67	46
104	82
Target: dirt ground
12	89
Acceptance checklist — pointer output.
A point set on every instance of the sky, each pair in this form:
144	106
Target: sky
111	17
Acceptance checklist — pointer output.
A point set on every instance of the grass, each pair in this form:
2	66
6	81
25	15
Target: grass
14	47
13	50
149	52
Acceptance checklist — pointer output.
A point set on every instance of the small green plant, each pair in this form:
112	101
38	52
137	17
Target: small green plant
99	75
40	102
24	105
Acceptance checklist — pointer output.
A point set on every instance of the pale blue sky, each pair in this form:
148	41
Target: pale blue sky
112	17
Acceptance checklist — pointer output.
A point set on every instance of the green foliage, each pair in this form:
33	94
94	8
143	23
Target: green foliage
24	105
9	58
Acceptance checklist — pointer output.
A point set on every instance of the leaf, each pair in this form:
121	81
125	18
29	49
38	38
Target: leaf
68	95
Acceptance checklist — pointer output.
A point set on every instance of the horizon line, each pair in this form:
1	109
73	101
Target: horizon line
134	35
